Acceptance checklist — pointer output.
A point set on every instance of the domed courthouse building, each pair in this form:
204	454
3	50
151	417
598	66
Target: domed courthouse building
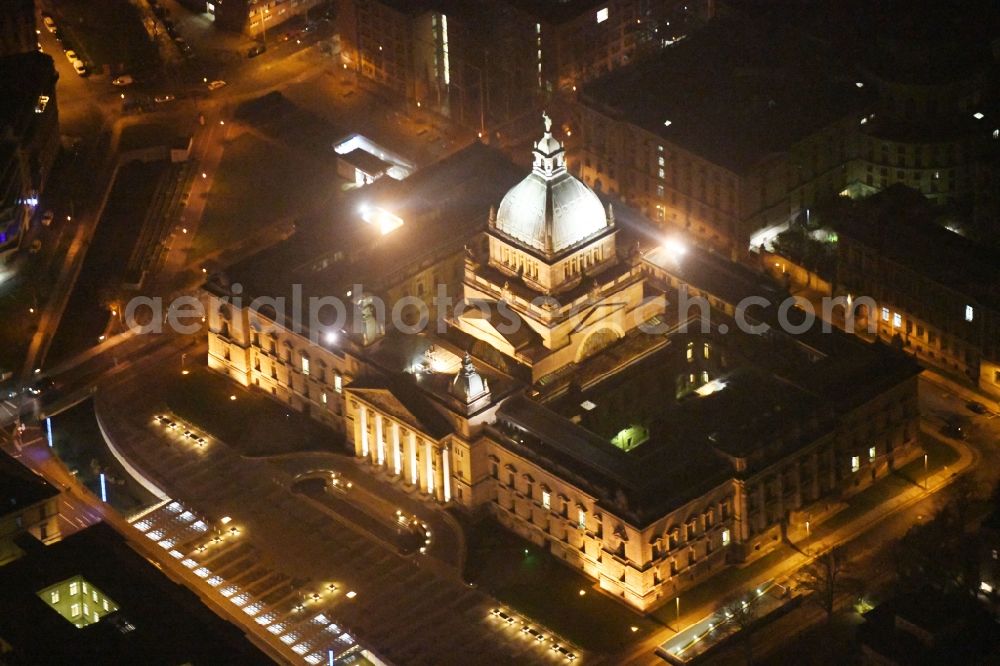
587	384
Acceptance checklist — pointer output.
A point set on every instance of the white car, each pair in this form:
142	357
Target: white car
79	67
123	80
49	24
71	55
215	85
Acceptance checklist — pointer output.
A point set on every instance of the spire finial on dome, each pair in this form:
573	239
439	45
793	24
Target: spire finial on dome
547	121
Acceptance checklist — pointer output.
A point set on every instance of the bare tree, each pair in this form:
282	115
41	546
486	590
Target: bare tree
741	612
824	579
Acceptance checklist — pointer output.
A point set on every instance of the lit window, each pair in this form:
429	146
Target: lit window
706	352
660	160
659	149
74	589
55	596
978	115
871	454
855	463
885	314
305	365
546	499
996	134
725	537
324	399
661	173
581	519
602	15
897	320
74	610
338	383
667	123
690	351
970	313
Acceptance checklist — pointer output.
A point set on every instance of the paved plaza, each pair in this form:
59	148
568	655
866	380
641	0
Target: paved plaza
285	547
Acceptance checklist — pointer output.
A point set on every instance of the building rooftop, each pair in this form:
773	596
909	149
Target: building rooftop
20	487
157	621
24	79
768	395
899	223
365	161
558	11
442	207
929	627
900	40
733	92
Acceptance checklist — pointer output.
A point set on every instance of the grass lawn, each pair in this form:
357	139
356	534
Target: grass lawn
106	32
542	588
254	424
259	183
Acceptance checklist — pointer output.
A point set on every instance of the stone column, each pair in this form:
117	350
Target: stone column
397	464
411	447
379	441
429	468
446	473
363	420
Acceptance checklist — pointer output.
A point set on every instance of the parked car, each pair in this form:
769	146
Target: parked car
47	218
79	67
71	55
256	50
953	430
49	23
976	406
123	80
41	386
163	99
215	85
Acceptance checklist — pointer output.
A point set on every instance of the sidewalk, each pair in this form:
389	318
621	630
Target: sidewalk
781	564
966	393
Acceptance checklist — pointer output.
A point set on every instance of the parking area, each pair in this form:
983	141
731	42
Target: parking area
108	36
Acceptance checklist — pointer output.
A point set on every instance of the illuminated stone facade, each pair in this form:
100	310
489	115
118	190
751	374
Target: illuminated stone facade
641	453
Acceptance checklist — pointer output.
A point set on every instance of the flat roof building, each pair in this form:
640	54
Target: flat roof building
91	598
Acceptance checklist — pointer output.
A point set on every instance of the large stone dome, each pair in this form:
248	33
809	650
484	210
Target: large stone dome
550	210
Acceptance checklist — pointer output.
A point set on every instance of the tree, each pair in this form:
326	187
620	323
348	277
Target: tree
825	578
741	613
